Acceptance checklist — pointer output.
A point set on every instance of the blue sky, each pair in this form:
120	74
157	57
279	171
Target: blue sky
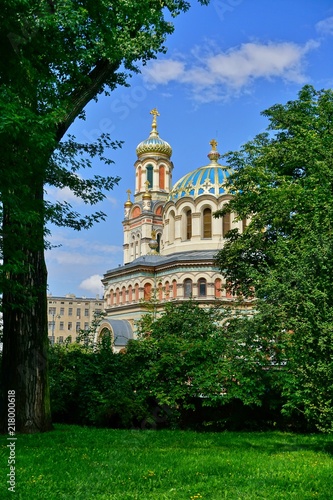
225	64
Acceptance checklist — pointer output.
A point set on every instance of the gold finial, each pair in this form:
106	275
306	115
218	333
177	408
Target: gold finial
213	143
155	113
213	155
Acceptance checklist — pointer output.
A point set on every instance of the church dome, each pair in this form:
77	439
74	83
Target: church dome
154	144
209	179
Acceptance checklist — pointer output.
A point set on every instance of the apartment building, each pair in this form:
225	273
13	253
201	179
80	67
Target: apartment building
70	314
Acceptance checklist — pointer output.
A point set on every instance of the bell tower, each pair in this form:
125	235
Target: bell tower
153	175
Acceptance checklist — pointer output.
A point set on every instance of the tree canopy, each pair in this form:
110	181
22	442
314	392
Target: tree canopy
283	184
57	55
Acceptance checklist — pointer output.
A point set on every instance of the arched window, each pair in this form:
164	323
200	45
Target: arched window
207	223
150	169
117	296
174	289
111	297
202	287
226	224
218	283
160	291
171	227
158	238
167	290
123	295
188	288
136	291
130	293
188	224
147	291
139	179
162	177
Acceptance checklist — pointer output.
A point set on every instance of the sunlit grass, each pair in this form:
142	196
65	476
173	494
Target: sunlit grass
85	463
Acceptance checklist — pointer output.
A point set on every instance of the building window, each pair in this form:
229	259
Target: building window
218	284
123	295
160	291
171	227
136	292
86	312
70	326
162	177
188	288
61	339
62	311
207	223
52	310
70	311
78	326
78	312
149	169
202	287
167	290
86	326
147	291
226	224
174	289
61	326
130	297
158	237
188	224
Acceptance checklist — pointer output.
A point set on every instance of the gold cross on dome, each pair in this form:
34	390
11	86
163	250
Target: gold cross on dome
155	113
213	143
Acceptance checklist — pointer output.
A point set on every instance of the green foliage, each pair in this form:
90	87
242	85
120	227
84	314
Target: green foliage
92	386
283	183
194	356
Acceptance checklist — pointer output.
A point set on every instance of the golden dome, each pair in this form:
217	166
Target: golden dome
154	144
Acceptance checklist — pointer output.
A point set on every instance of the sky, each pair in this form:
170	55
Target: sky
225	64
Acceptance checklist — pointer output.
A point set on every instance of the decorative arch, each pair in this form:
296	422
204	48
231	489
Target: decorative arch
123	295
167	290
136	212
130	293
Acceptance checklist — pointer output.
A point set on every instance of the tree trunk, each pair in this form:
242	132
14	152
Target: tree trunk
25	333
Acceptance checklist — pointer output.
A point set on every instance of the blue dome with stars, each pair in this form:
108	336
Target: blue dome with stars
209	179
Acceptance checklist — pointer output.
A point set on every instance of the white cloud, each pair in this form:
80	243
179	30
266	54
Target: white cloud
325	27
92	284
163	71
64	194
213	77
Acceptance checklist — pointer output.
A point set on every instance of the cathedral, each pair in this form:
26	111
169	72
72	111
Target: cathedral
170	238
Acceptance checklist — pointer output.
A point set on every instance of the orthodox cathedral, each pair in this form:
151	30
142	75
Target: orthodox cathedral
170	238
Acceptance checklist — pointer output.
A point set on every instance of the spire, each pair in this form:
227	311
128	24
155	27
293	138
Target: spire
154	132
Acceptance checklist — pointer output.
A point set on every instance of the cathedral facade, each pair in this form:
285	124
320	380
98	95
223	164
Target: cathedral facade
170	238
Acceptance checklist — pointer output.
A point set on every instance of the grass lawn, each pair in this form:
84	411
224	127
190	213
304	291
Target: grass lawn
86	463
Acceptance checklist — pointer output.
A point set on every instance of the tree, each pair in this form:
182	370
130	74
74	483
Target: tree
283	184
191	354
56	56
